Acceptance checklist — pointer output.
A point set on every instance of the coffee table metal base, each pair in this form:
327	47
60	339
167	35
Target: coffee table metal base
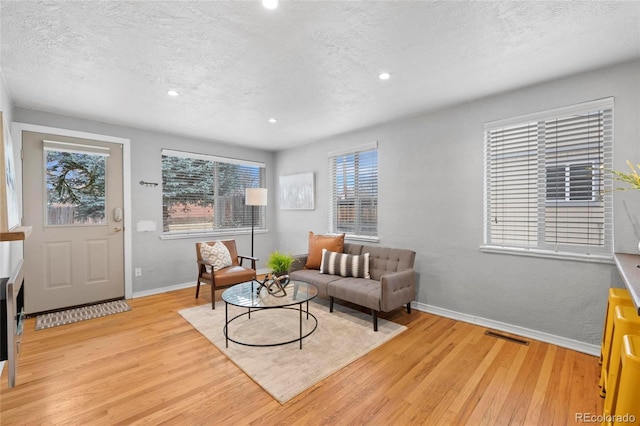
254	310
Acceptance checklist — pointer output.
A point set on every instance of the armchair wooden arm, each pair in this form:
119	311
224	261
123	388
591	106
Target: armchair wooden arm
252	259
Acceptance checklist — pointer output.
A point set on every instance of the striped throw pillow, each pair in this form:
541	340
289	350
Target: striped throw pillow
345	265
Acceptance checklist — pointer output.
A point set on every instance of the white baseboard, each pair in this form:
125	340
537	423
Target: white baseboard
160	290
153	291
509	328
1	367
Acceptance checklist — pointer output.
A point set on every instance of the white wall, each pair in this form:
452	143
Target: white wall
431	201
165	264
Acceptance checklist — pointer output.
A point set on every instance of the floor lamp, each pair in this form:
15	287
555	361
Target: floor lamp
254	197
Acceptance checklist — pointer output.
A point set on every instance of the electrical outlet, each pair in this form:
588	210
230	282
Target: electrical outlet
138	272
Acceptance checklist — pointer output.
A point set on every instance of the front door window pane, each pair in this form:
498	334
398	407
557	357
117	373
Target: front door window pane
75	187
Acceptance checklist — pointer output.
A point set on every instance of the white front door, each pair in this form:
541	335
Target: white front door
73	199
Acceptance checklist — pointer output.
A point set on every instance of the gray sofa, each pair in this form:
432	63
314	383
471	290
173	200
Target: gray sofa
392	283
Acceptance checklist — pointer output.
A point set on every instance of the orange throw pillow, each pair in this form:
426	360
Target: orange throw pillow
319	242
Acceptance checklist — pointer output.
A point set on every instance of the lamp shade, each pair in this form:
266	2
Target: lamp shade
255	196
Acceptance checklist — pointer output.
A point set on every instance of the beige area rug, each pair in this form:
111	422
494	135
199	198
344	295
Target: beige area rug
341	338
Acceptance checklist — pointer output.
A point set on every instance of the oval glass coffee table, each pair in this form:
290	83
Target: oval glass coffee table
255	297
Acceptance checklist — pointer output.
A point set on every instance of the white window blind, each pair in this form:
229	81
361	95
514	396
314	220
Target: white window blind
202	193
546	189
353	193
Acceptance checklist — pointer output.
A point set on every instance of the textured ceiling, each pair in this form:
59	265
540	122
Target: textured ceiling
311	64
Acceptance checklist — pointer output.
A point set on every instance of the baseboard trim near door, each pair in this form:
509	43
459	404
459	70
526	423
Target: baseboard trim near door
553	339
161	290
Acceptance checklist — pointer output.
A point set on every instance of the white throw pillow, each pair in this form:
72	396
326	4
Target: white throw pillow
217	254
345	265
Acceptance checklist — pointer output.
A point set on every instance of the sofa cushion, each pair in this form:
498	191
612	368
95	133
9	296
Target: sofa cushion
351	248
357	290
217	255
345	265
319	242
313	276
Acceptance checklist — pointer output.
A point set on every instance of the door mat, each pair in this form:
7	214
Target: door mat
69	316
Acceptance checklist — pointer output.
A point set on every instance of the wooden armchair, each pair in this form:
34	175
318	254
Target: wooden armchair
234	274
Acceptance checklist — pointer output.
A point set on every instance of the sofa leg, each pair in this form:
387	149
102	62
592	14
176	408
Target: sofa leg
197	289
374	315
330	303
409	307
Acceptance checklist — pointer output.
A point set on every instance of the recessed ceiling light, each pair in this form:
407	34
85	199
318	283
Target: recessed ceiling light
384	76
272	120
172	93
270	4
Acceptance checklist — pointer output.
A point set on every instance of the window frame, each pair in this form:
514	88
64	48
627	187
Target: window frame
359	222
541	248
259	212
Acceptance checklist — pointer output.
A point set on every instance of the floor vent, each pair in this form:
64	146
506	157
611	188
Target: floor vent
505	337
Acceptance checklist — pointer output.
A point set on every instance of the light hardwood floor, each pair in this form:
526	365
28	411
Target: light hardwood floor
149	366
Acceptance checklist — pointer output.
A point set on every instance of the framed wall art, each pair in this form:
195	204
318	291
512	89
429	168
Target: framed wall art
9	212
297	191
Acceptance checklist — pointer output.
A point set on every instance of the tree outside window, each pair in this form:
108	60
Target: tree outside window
75	186
205	194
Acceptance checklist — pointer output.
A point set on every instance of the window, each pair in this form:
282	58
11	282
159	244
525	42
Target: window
353	190
75	184
546	190
203	193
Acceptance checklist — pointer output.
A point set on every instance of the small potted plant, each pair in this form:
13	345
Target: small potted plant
279	263
632	178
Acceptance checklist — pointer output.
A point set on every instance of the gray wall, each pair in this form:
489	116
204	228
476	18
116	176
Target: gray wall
431	184
431	201
164	263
